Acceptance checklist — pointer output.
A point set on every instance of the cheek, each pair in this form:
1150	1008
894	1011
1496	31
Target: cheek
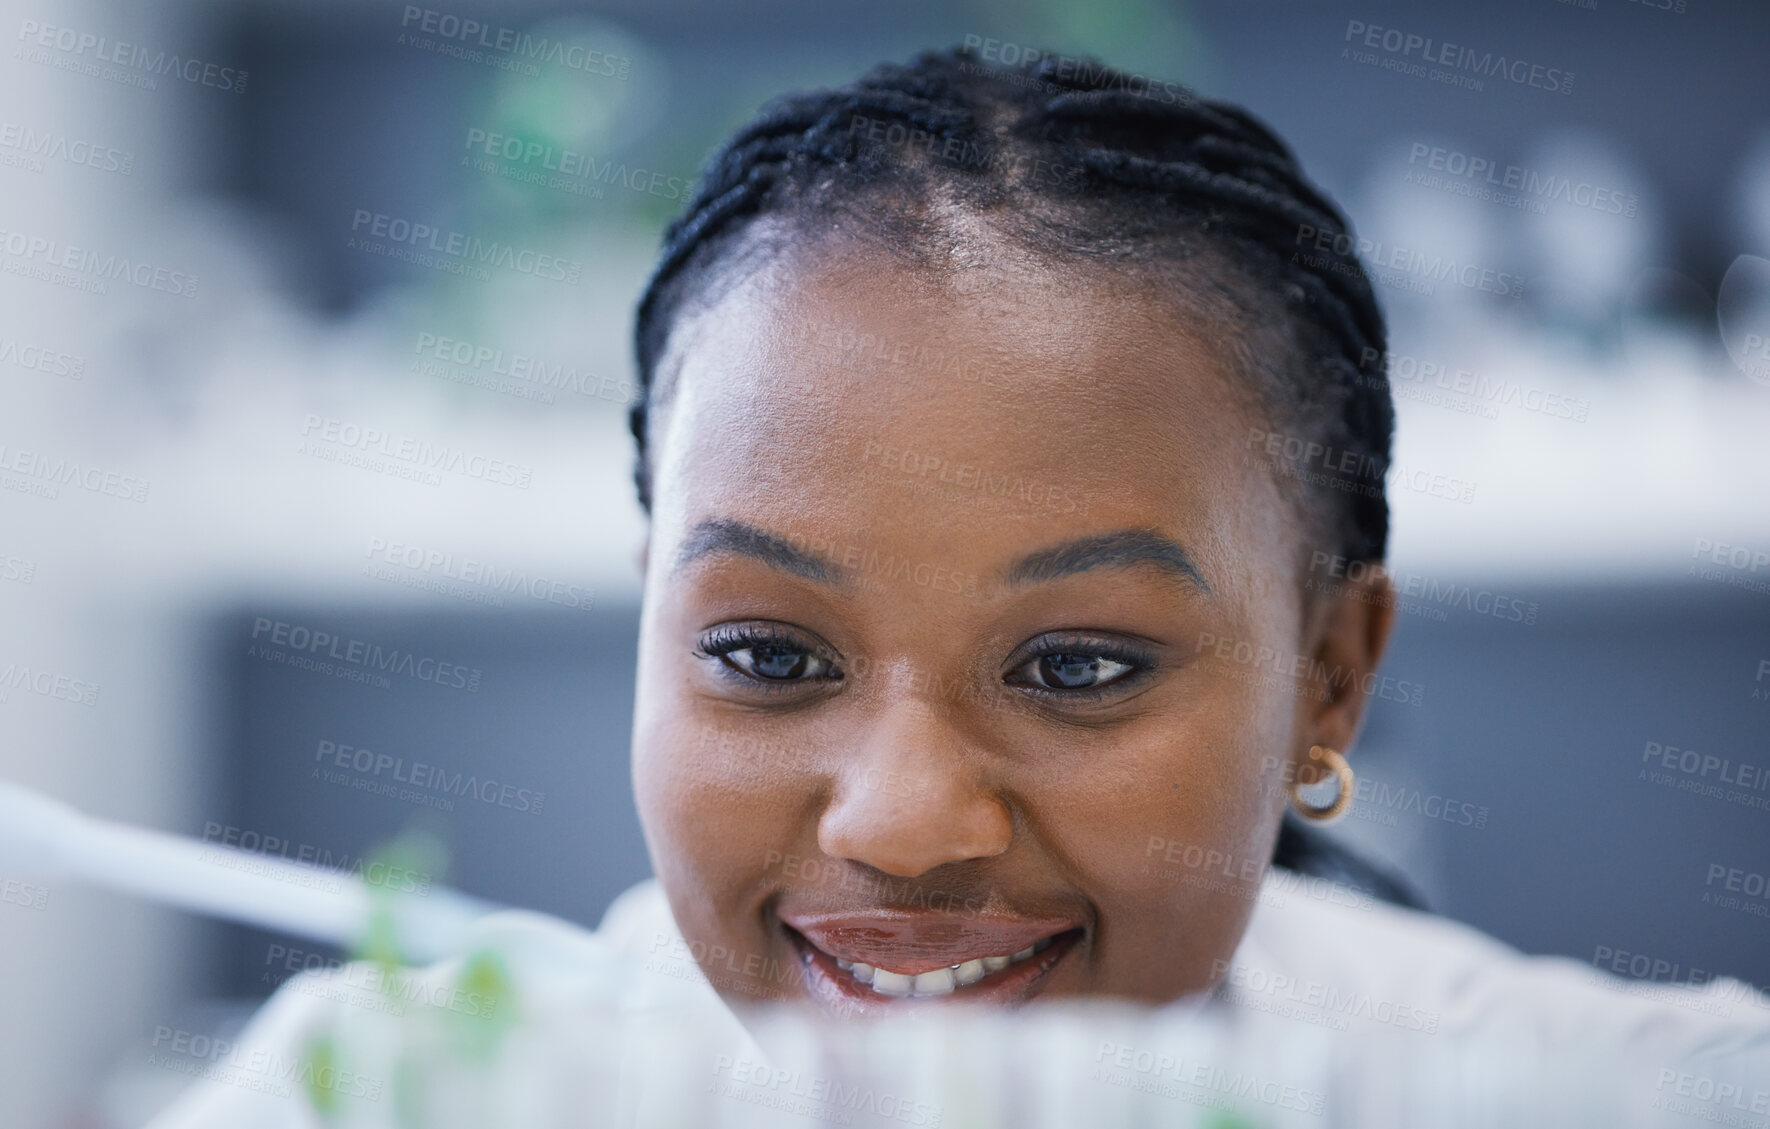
719	804
1171	832
1190	786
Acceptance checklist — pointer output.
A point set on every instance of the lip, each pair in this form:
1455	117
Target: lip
911	943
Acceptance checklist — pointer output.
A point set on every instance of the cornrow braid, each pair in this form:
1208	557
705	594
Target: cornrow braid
797	132
1240	165
1148	173
1145	168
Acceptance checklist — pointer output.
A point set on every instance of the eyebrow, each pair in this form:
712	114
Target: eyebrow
728	535
1121	549
1124	548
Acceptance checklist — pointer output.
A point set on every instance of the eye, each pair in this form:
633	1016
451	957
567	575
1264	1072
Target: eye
1074	671
775	662
767	655
1080	668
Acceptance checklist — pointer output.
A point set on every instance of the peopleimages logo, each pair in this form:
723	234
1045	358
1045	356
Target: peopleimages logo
13	892
1168	1073
479	364
435	570
463	250
1411	591
1404	47
1517	178
46	683
50	362
506	43
1340	252
32	147
1355	472
1262	989
1095	79
1409	376
428	784
1370	792
1738	774
308	643
26	251
825	1099
1307	670
1734	882
23	569
419	454
259	1069
48	473
374	872
539	158
77	46
1738	565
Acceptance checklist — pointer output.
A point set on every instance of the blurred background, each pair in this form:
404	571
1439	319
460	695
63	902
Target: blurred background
228	298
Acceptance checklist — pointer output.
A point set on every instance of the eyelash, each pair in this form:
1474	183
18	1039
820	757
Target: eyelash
1140	662
727	639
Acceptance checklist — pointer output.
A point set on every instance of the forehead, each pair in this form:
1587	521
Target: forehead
861	390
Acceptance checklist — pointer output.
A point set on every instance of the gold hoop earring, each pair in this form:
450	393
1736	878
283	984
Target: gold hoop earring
1342	802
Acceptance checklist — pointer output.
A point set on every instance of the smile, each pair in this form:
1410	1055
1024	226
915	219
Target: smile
864	962
941	981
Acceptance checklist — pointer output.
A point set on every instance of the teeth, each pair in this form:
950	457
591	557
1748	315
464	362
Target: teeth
939	982
888	983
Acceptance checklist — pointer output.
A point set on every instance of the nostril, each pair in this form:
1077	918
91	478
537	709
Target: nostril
906	819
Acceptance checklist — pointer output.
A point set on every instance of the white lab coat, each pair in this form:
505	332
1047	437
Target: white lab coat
1336	1010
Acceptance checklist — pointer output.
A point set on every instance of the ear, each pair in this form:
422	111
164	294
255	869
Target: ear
644	553
1347	630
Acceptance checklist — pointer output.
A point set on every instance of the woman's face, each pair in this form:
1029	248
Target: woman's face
971	605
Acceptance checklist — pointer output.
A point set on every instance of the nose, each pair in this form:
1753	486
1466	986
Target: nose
914	798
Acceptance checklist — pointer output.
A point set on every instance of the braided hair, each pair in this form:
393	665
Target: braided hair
1072	159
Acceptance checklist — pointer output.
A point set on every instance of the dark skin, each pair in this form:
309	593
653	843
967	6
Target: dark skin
1028	744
